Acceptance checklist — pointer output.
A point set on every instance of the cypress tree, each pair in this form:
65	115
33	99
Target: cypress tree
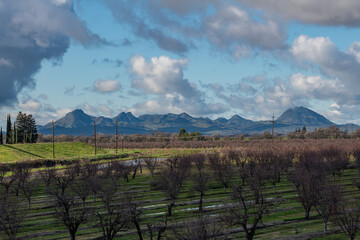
14	135
8	130
1	136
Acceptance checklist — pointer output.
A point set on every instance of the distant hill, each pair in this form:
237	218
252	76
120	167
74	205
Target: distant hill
78	122
303	116
75	119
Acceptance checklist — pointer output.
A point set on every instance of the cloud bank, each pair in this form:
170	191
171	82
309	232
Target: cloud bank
33	31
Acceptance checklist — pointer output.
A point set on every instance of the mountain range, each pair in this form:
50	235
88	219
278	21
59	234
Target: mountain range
78	122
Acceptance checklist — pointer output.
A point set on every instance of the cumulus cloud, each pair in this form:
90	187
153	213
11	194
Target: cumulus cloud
33	31
164	78
342	66
233	27
161	75
317	87
321	12
106	86
30	105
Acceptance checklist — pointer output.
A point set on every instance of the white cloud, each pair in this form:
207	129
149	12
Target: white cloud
106	86
317	87
354	50
164	77
344	67
30	105
233	28
161	75
321	12
318	50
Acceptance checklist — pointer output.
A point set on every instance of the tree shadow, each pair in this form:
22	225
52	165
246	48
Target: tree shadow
23	151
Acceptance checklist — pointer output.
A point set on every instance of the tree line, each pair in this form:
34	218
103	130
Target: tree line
23	130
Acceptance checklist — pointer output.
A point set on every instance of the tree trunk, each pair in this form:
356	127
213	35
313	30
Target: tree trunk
249	236
307	214
136	223
325	226
135	171
161	230
72	235
201	202
170	206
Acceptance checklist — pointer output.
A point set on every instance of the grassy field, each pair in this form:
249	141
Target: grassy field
19	152
69	151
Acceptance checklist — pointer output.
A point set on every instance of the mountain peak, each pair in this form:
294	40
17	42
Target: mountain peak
126	117
76	118
76	112
303	116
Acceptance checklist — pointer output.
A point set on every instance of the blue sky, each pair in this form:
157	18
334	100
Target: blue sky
209	58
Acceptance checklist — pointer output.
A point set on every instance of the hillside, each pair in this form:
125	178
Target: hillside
303	116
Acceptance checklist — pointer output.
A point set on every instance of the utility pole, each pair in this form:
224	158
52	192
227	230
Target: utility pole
116	137
122	141
53	139
95	136
273	123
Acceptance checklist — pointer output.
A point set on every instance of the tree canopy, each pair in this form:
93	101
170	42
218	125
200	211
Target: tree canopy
26	128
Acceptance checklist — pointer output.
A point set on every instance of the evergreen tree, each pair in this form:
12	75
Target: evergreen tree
1	136
304	129
8	130
14	135
26	128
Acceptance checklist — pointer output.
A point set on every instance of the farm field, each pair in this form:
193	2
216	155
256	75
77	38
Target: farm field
11	153
141	198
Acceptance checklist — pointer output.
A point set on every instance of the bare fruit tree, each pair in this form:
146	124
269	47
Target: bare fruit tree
12	214
111	215
347	216
172	176
70	206
329	199
308	178
245	211
223	168
151	164
200	176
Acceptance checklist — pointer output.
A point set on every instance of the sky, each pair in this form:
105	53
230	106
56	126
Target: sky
208	58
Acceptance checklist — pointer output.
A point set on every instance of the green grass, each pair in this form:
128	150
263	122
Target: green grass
19	152
11	153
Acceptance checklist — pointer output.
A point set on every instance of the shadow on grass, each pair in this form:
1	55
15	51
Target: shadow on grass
20	150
